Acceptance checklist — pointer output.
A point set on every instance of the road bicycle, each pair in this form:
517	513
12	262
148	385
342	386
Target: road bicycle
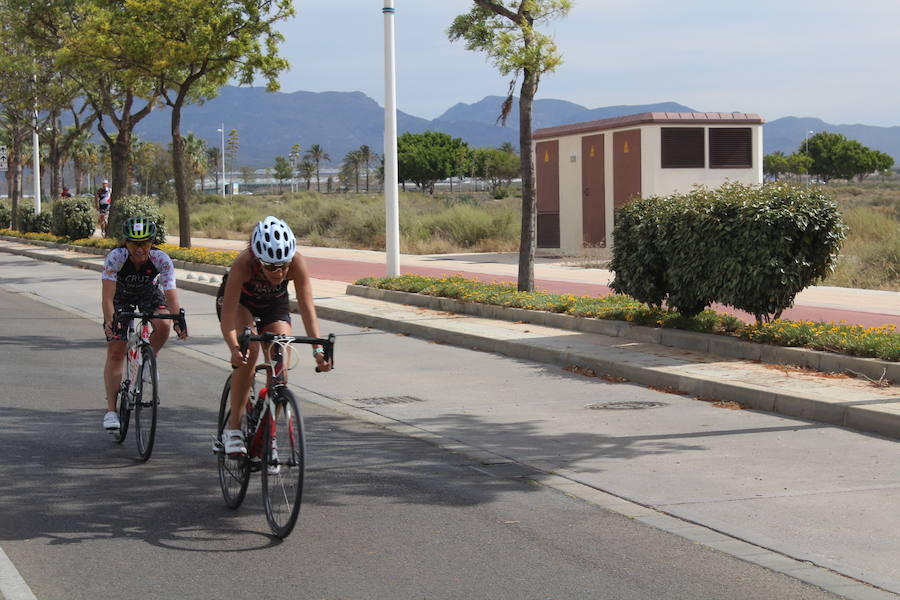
139	391
273	432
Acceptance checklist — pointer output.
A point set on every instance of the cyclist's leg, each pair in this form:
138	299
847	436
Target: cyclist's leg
112	371
283	328
243	375
161	330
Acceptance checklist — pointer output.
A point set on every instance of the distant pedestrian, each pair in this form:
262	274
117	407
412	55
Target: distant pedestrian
104	199
65	193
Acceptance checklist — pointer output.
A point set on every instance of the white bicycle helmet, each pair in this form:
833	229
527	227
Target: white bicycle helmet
273	241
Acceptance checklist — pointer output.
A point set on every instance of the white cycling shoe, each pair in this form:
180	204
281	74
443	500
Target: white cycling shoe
233	441
111	422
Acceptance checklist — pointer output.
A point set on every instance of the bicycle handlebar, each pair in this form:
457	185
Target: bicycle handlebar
149	315
327	343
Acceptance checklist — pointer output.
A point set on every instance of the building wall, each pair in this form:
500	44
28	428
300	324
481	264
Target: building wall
570	219
654	179
657	181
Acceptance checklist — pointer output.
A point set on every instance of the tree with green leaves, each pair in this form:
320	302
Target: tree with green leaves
366	156
232	146
350	169
195	157
505	31
248	174
835	156
294	156
307	170
775	164
317	155
426	158
283	170
213	159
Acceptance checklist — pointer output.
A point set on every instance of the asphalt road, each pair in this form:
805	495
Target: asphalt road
384	516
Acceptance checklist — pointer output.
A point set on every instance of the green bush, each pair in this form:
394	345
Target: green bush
5	216
73	218
133	206
42	223
26	216
750	247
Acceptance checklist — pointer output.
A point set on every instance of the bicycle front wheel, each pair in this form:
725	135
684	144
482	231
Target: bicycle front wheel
234	471
284	464
124	411
145	403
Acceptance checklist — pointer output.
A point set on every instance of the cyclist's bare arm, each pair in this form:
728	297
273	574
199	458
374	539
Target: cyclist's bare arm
231	328
108	292
306	306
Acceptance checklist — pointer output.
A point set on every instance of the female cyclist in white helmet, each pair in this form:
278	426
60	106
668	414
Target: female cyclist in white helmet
257	287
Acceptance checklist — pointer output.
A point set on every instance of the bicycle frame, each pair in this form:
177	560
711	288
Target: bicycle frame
264	407
139	336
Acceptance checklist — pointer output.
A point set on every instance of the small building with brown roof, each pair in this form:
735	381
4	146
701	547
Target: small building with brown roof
585	171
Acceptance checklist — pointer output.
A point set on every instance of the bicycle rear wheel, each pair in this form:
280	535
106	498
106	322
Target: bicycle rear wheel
145	403
234	471
284	464
124	411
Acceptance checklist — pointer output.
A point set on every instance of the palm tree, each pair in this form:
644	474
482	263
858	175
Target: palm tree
195	153
352	161
366	156
306	169
84	157
317	154
213	156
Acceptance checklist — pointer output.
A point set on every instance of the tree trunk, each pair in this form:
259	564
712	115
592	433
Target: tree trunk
120	157
181	186
528	242
78	174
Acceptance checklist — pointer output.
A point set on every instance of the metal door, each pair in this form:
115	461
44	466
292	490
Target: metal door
626	166
593	191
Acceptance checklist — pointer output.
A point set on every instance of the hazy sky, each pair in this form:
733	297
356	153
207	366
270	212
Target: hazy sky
835	60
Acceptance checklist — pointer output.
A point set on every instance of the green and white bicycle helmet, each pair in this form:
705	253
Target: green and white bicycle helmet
273	241
139	229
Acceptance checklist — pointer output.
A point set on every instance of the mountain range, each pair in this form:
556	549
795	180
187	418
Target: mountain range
268	124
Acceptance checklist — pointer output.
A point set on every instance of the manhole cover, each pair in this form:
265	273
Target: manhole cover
381	400
625	405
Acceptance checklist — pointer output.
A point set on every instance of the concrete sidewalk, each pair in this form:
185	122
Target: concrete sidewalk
811	501
820	303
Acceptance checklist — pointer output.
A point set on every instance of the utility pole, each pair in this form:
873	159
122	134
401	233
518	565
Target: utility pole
392	221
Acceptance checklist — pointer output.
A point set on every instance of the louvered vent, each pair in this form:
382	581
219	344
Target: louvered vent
730	148
682	148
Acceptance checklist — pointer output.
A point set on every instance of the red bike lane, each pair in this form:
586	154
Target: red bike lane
350	271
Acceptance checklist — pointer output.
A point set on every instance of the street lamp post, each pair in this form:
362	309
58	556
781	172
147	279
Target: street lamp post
391	193
222	131
806	149
37	165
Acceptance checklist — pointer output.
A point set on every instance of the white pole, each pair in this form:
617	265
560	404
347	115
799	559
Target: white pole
391	199
35	141
223	159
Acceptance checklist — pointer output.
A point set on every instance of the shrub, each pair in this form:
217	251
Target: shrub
73	218
750	247
5	216
42	223
133	206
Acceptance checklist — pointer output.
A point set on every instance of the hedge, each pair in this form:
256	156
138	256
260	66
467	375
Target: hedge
750	247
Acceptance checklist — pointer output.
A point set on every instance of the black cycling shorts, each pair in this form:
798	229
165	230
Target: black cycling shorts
267	312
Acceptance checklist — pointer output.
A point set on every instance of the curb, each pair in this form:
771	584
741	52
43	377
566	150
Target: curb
707	343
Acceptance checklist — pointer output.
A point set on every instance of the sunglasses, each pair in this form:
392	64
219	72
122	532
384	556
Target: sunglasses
273	266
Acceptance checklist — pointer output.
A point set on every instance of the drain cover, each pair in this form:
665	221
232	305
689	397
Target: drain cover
625	405
381	400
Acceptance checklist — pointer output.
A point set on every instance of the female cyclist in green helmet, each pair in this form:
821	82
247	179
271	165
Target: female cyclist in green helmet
134	275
